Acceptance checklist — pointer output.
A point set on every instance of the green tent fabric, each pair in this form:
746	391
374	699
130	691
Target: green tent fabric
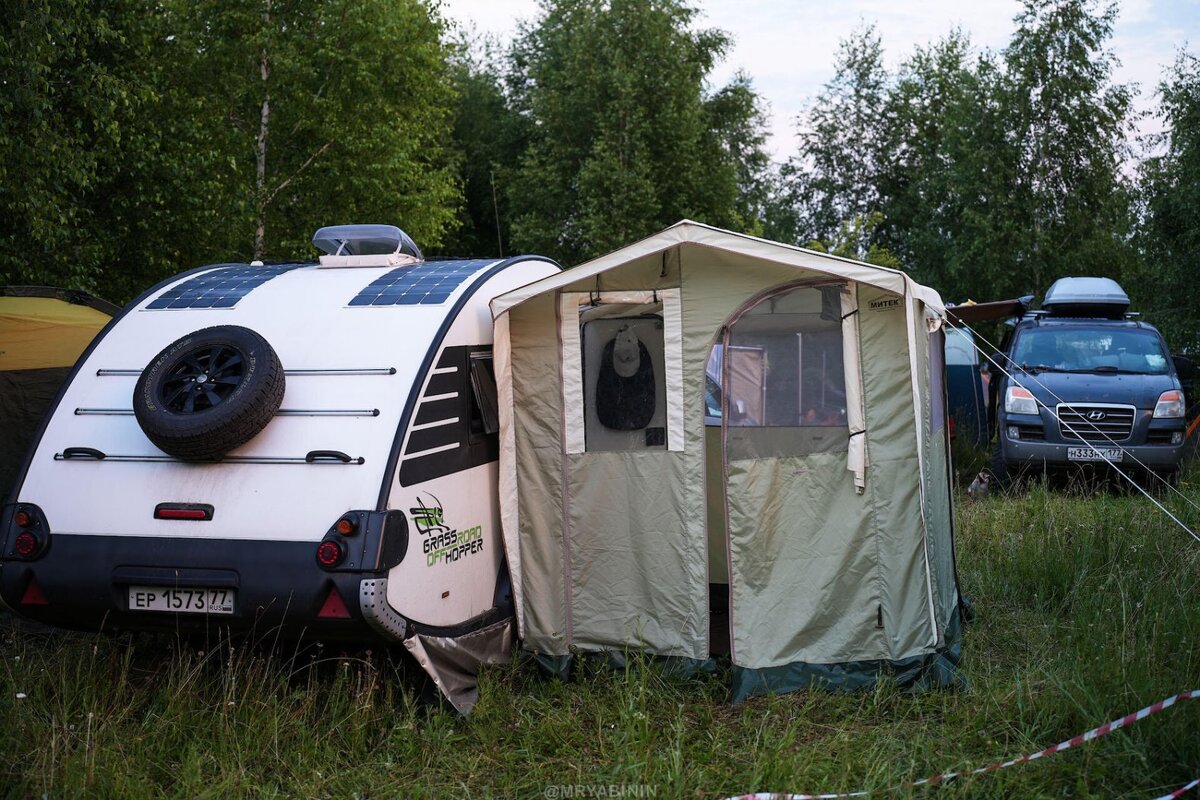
798	455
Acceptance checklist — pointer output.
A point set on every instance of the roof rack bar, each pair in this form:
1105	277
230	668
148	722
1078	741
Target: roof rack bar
127	373
283	412
78	455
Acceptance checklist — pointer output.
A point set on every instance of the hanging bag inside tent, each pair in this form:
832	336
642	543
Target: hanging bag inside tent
625	395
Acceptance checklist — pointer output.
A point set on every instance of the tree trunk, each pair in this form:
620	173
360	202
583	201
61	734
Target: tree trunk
260	178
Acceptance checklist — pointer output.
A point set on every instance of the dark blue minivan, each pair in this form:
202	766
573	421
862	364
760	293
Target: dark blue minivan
1089	384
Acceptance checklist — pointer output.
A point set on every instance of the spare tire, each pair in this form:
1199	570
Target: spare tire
209	392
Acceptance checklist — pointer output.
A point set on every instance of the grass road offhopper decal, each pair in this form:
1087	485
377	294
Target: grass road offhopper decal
440	542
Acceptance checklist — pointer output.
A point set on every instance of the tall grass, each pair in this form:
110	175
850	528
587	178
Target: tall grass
1087	607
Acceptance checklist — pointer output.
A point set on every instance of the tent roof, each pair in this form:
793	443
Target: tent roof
42	328
687	232
73	296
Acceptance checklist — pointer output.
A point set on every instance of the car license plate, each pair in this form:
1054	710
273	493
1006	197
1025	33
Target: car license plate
185	601
1094	454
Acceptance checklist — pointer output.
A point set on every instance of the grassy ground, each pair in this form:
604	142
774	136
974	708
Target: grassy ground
1087	608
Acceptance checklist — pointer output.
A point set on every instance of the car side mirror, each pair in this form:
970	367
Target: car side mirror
1184	367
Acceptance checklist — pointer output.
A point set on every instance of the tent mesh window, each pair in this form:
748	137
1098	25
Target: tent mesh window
782	368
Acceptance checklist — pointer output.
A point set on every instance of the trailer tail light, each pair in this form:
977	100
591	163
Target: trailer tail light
363	541
330	553
29	534
197	512
26	544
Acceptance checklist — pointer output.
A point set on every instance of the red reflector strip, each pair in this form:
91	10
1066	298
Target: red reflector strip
180	513
189	511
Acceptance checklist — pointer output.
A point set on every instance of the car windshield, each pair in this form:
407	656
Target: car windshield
1091	349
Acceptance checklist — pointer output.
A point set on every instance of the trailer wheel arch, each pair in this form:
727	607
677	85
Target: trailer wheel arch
209	392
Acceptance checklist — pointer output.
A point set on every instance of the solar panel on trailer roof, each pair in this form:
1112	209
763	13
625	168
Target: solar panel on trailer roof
220	288
426	283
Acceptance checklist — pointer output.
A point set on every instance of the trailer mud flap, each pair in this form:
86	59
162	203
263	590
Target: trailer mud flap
453	663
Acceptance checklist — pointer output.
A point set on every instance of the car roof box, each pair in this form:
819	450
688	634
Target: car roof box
1086	297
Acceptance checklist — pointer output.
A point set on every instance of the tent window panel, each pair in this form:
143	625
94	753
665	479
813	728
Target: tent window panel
784	374
624	372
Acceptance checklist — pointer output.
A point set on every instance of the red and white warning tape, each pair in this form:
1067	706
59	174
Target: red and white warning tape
1083	738
1181	791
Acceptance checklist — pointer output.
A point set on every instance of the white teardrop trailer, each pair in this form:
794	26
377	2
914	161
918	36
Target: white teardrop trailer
291	449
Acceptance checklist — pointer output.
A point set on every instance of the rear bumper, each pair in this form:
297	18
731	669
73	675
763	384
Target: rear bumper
280	590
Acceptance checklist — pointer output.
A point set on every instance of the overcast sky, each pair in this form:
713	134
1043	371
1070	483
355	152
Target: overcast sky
787	47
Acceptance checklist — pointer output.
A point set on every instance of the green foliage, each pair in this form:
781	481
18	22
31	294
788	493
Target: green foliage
139	140
836	175
347	103
1171	235
1085	611
134	133
1070	122
949	166
489	136
622	137
995	174
77	82
854	240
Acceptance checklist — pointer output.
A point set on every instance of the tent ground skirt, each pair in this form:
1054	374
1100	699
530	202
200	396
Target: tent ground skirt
937	670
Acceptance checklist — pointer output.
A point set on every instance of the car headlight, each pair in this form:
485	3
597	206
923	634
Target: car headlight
1019	400
1169	405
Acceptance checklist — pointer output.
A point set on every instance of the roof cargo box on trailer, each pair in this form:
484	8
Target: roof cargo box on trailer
301	448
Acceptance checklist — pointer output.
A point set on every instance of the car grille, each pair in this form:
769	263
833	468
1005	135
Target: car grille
1075	424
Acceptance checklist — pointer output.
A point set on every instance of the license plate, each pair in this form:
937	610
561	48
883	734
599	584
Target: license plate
181	601
1094	454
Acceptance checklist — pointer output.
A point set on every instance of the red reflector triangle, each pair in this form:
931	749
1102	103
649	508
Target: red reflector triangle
34	596
334	607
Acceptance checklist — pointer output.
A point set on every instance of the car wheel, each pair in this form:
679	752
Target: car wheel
209	392
1000	475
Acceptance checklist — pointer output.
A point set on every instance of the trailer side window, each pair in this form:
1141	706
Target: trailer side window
485	413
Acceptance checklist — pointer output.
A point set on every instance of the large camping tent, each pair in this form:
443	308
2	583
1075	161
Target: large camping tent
705	415
43	331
